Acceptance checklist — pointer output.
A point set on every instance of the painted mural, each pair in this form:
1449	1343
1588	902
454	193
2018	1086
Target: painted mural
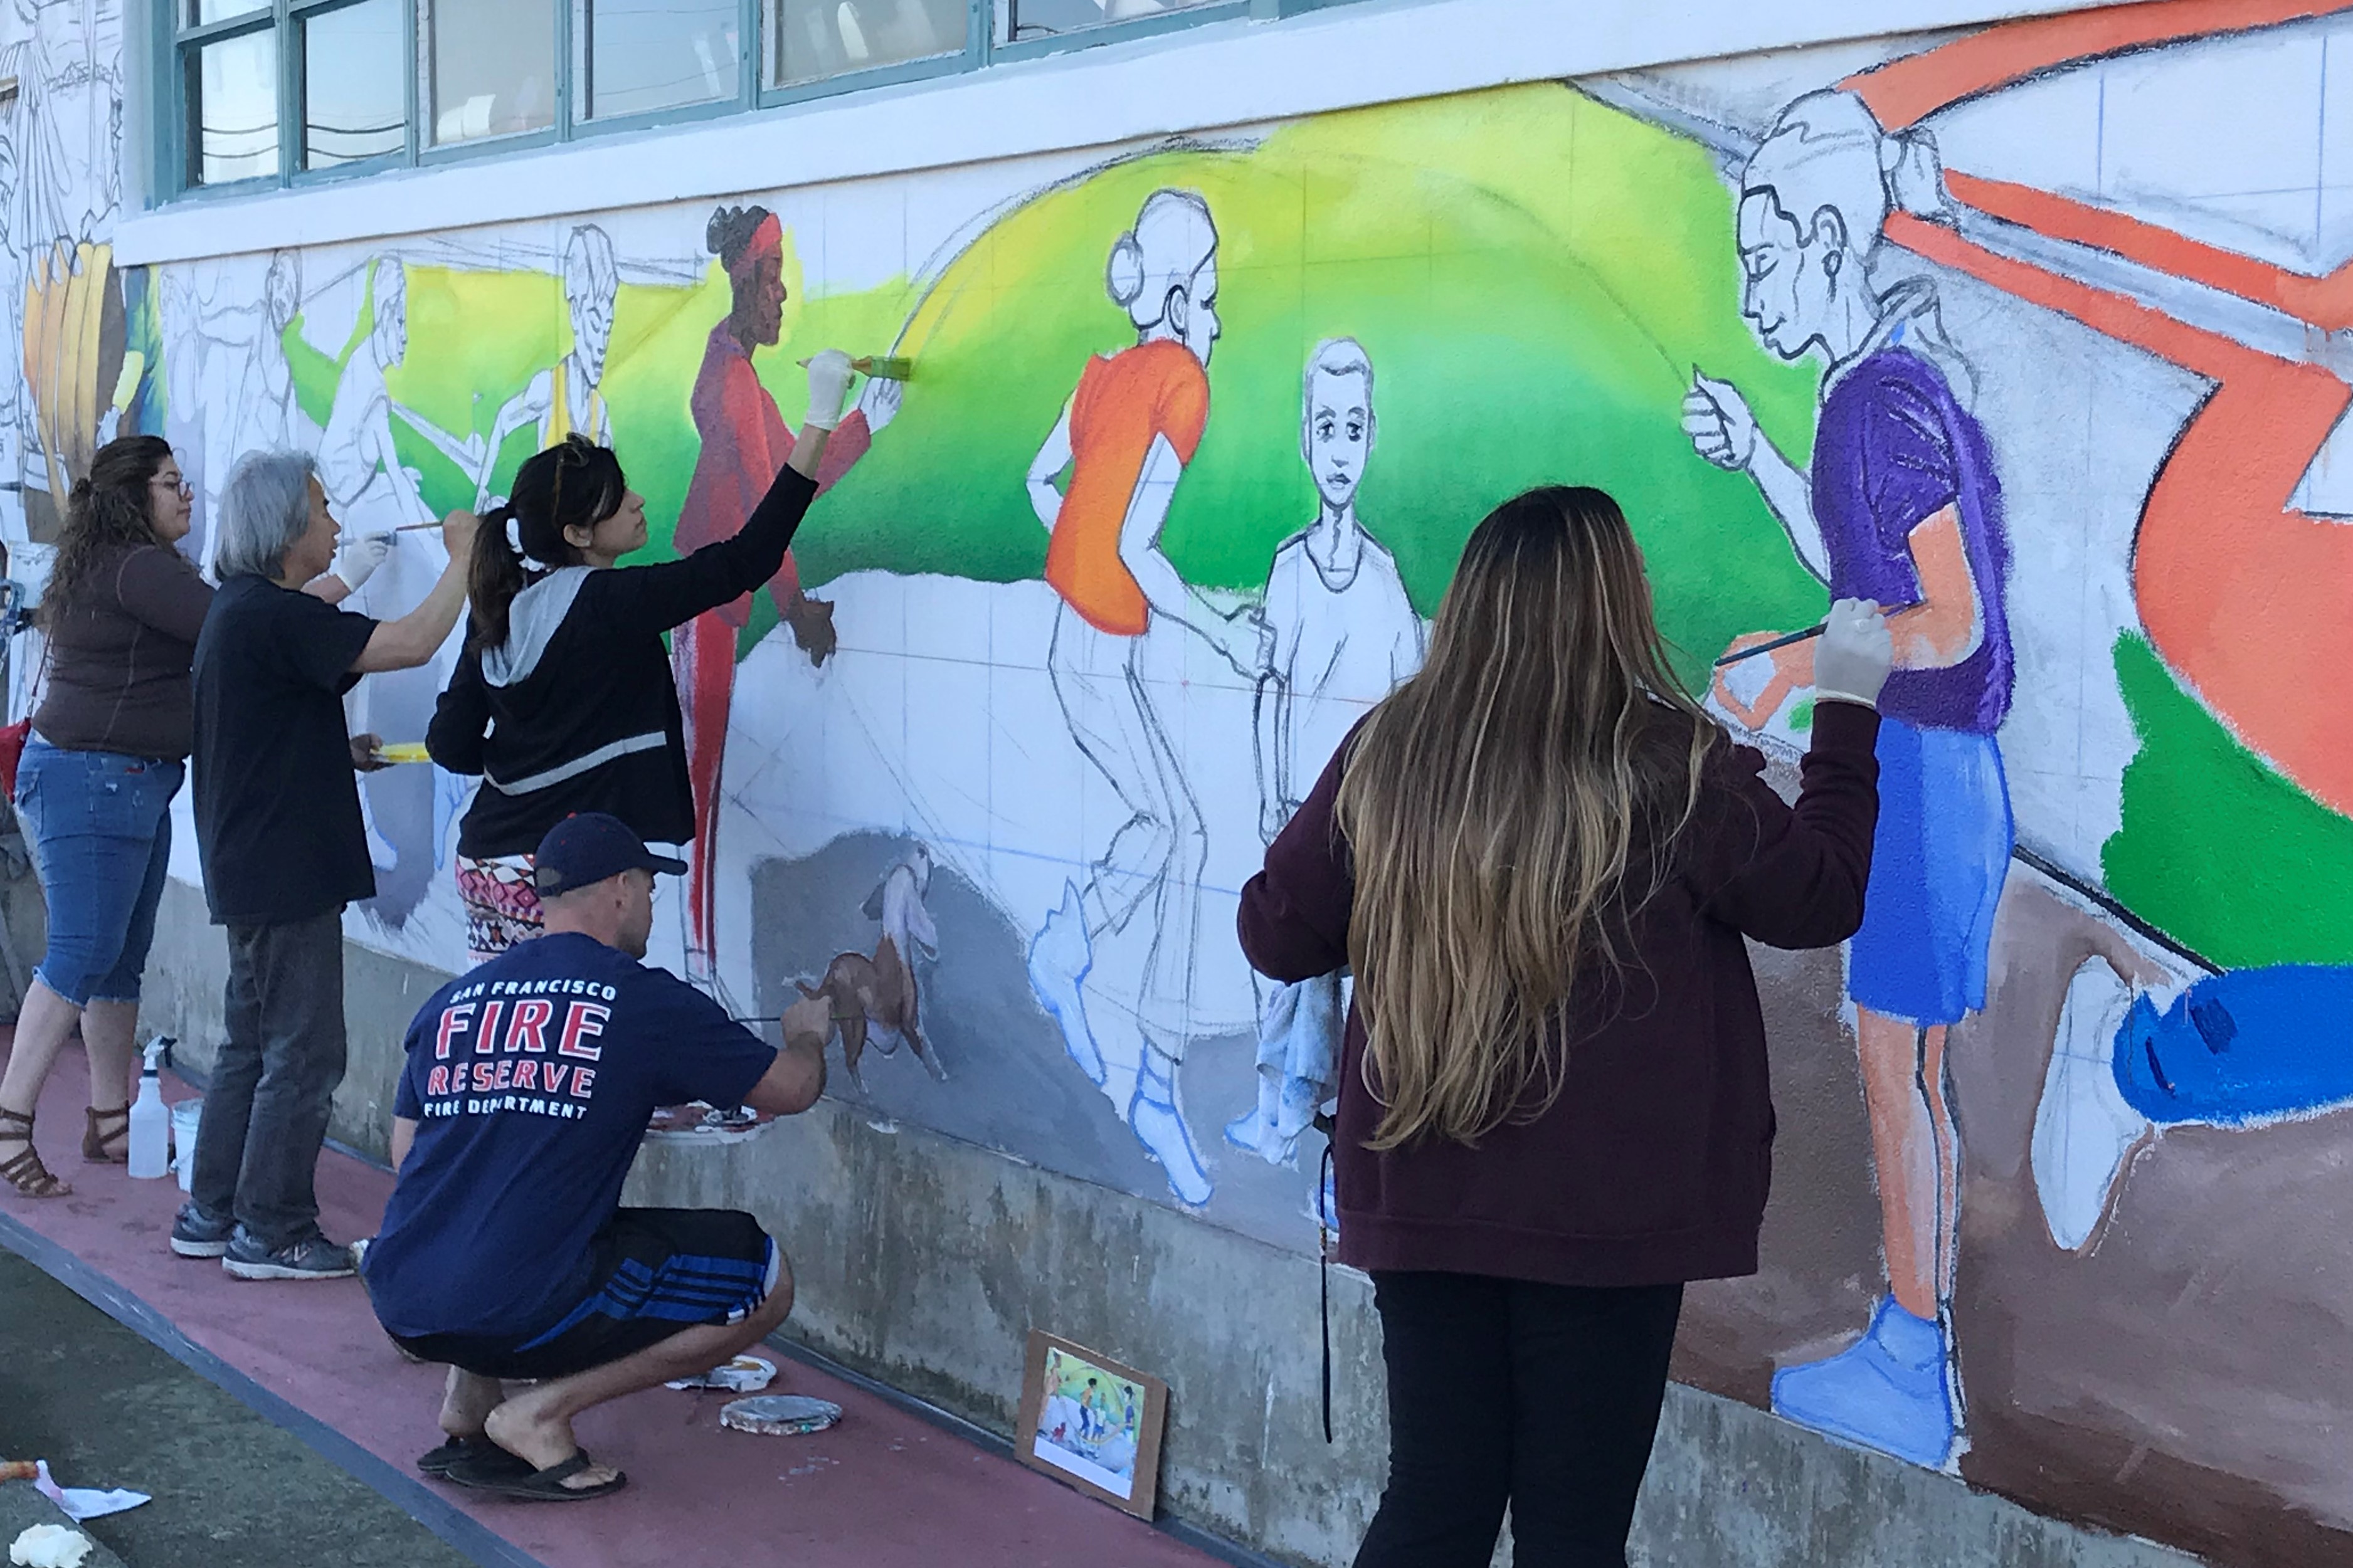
2043	324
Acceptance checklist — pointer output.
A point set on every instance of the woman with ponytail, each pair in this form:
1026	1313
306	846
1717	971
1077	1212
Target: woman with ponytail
563	699
108	750
1900	502
1540	858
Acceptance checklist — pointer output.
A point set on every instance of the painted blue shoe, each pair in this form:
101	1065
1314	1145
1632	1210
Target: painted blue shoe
1885	1392
1059	961
1159	1126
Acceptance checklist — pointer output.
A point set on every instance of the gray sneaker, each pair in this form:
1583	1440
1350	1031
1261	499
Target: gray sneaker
195	1233
311	1258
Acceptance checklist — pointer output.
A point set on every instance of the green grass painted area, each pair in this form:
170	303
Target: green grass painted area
2217	849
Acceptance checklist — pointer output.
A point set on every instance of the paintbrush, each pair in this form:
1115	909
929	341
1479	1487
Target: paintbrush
885	367
1813	631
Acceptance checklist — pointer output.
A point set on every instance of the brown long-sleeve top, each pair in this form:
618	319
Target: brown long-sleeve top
120	655
1652	1164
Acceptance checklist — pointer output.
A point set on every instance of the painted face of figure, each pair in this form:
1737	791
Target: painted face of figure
1338	435
392	320
592	331
280	296
1201	327
168	502
1786	276
313	553
760	301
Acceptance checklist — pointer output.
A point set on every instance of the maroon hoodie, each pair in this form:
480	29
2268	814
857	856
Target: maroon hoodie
1652	1165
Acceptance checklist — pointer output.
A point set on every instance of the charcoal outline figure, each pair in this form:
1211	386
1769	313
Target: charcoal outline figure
1344	632
1127	436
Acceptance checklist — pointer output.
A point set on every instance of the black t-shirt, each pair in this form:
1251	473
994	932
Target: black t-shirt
278	806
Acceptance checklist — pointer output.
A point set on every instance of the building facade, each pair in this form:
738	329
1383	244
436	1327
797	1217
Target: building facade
1793	281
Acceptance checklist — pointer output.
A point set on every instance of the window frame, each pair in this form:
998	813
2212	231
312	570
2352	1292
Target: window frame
1004	47
176	47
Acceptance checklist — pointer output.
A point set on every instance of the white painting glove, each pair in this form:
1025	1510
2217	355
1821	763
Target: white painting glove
361	554
829	383
1852	661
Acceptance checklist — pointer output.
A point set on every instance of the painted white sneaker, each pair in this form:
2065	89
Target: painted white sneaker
1059	959
1159	1126
2085	1132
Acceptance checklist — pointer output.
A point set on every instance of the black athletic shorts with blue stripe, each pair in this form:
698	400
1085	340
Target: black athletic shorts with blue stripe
656	1272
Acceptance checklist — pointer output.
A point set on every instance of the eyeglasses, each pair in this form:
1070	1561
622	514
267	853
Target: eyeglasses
177	485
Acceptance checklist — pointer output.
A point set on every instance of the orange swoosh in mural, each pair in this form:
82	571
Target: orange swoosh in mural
2226	573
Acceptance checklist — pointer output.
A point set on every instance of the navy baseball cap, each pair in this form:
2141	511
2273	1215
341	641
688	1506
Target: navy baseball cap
589	847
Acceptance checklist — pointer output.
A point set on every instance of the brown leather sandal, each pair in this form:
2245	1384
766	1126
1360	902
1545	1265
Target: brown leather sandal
94	1143
25	1173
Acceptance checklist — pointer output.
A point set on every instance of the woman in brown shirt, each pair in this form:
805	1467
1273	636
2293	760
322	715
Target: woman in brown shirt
108	747
1540	858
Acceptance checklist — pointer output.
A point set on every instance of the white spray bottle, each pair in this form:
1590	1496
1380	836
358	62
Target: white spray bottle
150	1122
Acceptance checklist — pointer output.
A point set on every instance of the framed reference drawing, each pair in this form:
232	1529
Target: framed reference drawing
1094	1424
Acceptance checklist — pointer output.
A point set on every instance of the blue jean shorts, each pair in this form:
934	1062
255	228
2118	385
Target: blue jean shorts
100	827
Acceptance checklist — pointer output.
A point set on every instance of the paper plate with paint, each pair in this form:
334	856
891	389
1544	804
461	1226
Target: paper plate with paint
780	1415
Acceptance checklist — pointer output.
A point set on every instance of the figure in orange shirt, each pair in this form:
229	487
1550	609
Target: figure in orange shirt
1127	436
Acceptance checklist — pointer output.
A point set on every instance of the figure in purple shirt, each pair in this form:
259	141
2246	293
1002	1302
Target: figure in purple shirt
1901	507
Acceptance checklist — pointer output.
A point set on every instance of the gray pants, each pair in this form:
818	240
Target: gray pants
265	1115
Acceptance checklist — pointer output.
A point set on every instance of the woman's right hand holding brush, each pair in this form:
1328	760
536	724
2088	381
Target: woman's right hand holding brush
1855	655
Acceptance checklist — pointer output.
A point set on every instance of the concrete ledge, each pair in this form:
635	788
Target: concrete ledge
923	1262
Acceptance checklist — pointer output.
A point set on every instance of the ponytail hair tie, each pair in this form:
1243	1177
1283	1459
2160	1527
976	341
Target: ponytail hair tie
1915	175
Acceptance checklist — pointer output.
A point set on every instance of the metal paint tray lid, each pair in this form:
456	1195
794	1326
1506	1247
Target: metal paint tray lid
779	1414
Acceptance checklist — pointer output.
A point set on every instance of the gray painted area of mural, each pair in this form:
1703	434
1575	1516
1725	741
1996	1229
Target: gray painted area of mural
922	1260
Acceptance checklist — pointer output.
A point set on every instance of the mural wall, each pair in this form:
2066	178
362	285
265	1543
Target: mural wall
2045	322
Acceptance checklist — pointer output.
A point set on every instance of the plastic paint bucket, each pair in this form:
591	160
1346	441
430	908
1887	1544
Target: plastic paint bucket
184	1114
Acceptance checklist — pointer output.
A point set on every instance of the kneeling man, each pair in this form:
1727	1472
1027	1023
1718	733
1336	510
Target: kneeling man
505	1253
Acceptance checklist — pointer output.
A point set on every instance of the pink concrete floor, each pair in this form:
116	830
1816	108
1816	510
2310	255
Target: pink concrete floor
882	1488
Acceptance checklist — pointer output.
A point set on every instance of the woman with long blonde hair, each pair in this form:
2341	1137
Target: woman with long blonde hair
1540	858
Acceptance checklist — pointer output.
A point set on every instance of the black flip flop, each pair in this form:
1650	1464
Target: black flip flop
535	1486
440	1461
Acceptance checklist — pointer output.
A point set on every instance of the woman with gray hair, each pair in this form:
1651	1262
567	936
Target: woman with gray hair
278	833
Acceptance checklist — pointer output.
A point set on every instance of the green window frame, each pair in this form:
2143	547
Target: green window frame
182	42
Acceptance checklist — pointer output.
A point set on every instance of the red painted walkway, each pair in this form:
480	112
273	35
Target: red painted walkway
881	1490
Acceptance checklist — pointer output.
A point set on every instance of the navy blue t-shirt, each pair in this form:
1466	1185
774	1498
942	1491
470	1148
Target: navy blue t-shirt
532	1080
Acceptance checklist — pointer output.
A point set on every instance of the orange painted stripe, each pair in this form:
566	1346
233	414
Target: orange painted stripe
2325	301
2233	585
1906	91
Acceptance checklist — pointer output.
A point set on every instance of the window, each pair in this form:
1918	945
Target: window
354	92
647	54
489	68
283	91
811	39
247	112
233	108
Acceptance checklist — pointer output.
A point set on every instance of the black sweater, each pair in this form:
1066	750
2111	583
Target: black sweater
576	709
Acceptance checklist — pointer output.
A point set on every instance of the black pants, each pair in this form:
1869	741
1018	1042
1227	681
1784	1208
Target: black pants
265	1115
1542	1396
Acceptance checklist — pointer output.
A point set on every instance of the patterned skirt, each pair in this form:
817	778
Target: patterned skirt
502	907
